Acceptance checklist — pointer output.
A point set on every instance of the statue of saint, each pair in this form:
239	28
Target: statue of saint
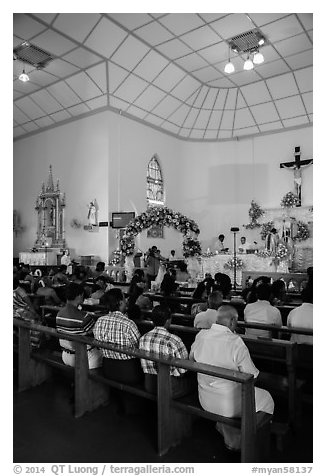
92	213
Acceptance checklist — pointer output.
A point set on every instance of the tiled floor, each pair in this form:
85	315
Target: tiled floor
45	431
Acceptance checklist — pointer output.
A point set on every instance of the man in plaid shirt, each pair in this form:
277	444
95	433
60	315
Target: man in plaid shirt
160	341
117	328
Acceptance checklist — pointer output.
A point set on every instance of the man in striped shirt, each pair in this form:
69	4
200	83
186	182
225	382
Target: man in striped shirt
71	320
161	342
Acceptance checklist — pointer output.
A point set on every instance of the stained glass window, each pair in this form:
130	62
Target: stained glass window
155	187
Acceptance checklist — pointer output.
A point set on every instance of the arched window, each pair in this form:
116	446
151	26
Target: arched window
155	187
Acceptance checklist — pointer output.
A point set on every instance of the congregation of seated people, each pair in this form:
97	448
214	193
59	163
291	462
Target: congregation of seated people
215	344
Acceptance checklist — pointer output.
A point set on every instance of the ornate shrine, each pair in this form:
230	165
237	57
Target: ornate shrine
50	206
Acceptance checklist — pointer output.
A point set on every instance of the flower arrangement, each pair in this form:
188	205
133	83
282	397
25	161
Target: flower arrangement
127	245
152	216
303	231
290	200
116	257
281	252
264	253
234	262
191	247
208	254
266	228
255	212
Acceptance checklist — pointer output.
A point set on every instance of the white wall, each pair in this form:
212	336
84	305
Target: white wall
221	179
105	156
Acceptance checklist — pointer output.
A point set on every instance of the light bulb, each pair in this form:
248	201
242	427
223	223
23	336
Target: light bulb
261	41
248	64
258	58
24	77
229	68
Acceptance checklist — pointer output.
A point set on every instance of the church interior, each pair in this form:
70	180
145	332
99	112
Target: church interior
172	148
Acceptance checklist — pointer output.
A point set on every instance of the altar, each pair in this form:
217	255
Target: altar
251	262
45	257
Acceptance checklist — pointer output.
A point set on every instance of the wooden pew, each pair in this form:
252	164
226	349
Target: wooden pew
280	352
171	424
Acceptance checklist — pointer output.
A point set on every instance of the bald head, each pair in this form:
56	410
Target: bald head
227	316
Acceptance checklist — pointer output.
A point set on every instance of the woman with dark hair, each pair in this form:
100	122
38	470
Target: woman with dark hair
223	284
250	295
117	328
278	293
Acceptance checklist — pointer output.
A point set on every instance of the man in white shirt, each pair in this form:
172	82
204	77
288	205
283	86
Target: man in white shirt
205	319
262	312
302	317
244	246
220	346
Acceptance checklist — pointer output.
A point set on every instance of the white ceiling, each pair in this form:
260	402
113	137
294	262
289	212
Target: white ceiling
166	70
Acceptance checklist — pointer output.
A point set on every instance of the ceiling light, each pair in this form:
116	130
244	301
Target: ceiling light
258	58
248	64
229	67
24	77
261	41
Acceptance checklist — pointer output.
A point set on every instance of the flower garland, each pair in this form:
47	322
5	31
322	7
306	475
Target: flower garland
303	231
290	200
152	216
255	212
234	262
191	247
266	228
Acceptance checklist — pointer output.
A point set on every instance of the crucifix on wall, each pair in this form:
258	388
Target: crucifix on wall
297	165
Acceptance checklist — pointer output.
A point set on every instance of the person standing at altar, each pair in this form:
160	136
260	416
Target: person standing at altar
244	245
272	240
219	245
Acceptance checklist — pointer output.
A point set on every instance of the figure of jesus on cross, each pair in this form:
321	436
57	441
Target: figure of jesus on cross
297	165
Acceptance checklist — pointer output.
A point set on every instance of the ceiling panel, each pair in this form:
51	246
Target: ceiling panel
46	101
282	86
232	25
83	86
171	64
180	23
53	43
76	25
290	107
25	27
256	93
151	66
264	113
63	94
170	77
150	98
308	102
82	58
28	107
130	53
304	79
105	38
200	38
131	88
174	49
131	20
154	33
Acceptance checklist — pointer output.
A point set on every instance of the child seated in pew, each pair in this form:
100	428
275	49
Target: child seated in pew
220	346
203	290
160	341
205	319
278	293
223	284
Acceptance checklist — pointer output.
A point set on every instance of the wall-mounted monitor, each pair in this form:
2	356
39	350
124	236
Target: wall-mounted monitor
121	219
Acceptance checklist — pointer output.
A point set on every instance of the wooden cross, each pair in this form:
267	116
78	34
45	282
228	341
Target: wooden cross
297	165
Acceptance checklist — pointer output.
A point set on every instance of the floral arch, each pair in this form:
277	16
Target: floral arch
166	217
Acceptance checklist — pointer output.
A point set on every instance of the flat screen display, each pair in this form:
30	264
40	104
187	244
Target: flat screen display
121	219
